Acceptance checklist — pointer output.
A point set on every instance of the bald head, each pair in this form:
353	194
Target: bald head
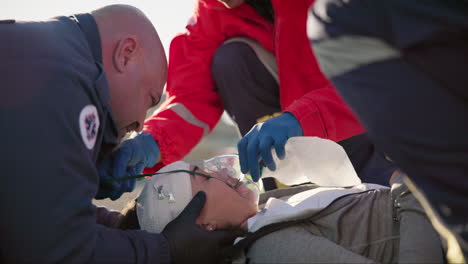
134	61
115	21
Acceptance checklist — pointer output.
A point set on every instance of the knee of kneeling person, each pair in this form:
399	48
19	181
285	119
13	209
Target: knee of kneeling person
229	57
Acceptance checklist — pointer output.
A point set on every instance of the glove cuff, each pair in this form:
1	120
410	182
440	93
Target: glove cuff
294	123
150	148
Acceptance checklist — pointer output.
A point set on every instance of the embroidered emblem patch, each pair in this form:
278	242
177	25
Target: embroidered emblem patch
89	125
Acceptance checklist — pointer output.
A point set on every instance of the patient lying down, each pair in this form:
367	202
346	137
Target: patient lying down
360	224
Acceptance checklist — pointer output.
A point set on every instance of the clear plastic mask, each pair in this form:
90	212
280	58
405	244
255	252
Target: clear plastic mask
227	167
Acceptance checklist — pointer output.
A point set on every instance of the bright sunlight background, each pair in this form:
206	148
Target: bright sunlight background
169	17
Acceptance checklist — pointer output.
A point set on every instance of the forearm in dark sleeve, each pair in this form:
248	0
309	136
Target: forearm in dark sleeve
131	246
107	217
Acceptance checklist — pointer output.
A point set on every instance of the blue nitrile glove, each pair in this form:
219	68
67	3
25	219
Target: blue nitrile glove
108	187
257	144
130	158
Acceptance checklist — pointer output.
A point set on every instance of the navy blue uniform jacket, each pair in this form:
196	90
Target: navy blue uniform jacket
55	121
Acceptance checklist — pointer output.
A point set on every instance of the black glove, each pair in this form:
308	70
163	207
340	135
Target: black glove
191	244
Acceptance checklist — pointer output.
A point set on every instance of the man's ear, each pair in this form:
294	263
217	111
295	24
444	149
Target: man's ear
125	50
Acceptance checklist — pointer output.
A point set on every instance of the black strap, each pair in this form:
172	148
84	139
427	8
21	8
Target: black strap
90	29
252	237
232	252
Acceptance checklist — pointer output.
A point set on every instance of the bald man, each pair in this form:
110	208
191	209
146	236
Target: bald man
71	88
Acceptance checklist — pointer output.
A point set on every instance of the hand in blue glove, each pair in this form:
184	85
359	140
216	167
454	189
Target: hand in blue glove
257	144
131	157
108	187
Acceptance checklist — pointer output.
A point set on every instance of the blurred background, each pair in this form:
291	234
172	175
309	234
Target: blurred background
169	18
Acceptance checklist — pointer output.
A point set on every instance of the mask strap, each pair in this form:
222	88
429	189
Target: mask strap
138	176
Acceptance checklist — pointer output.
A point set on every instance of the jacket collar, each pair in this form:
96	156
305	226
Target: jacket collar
90	29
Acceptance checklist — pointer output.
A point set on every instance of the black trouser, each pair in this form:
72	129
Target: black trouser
247	88
249	92
407	82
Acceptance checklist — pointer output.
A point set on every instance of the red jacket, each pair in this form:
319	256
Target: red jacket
193	107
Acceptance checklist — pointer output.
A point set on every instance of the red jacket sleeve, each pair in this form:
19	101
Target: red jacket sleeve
305	91
322	113
193	107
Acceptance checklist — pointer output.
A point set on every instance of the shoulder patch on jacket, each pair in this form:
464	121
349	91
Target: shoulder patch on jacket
89	125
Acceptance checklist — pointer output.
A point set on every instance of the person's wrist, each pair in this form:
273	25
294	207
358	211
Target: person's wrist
294	123
150	148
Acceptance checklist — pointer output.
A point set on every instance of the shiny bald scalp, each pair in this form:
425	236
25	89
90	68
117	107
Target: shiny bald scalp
134	62
116	21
